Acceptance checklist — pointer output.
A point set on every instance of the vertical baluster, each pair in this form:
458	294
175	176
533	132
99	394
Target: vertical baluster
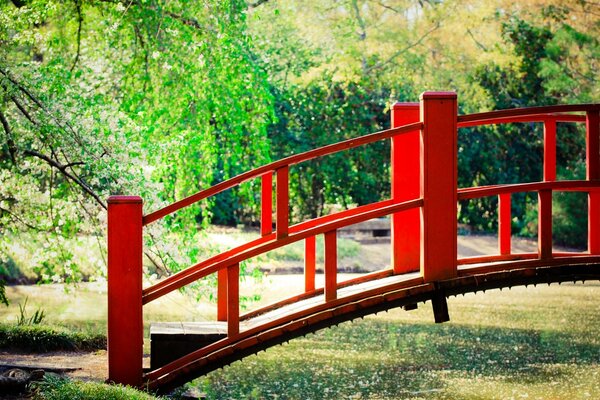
266	204
550	149
504	223
310	263
233	300
222	295
404	175
283	199
330	265
438	185
545	224
593	174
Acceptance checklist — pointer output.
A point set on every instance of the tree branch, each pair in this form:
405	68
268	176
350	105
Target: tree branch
80	23
403	50
257	3
12	148
63	170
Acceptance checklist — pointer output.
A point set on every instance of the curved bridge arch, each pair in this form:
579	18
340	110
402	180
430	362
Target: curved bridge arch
424	263
400	294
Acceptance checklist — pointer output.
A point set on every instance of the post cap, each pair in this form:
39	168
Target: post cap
438	95
405	105
119	199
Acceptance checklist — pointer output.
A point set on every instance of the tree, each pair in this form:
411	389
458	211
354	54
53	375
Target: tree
105	97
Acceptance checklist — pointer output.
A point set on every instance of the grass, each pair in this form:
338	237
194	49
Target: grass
535	343
527	343
53	388
41	338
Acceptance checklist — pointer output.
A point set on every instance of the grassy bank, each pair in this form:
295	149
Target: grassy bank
526	343
535	343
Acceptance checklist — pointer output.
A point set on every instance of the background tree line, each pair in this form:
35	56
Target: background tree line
165	98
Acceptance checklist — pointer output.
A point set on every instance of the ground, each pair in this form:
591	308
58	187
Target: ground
90	302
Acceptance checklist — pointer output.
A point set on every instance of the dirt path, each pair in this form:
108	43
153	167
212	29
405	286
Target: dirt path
80	365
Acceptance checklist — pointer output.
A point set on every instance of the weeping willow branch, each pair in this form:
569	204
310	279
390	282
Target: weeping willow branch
62	168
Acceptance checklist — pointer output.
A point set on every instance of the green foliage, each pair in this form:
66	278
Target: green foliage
165	98
57	388
3	298
40	338
23	319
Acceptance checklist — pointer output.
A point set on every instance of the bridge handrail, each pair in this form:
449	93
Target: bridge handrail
529	114
492	190
438	123
311	228
288	161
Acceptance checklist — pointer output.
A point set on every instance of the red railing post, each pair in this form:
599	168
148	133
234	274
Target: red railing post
282	204
592	124
545	224
266	204
125	324
330	265
404	174
222	295
233	300
438	185
545	196
504	223
550	149
310	263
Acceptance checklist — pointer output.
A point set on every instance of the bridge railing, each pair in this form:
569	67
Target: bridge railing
423	188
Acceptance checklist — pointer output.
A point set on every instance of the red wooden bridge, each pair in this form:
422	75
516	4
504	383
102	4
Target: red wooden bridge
424	263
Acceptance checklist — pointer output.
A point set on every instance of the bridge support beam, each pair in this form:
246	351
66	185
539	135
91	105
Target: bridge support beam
440	307
125	326
438	185
405	186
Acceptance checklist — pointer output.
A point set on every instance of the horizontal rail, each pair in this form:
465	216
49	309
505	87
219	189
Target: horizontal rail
201	270
319	291
516	257
493	190
267	238
484	117
523	119
291	160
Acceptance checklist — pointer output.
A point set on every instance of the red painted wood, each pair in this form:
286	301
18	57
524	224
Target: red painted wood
405	175
266	204
222	295
504	223
493	190
550	149
330	265
594	222
283	200
518	119
288	161
516	112
310	263
438	185
592	136
125	325
317	292
203	269
545	224
233	300
593	174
